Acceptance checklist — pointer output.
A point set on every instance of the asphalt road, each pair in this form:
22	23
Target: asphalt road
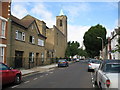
74	76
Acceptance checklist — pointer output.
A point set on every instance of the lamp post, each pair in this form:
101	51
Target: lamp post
102	44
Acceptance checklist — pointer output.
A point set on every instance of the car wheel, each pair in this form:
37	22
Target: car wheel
17	79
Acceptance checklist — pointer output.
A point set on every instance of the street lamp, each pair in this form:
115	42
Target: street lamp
102	44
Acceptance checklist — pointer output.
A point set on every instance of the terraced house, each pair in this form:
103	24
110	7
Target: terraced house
31	43
4	17
27	42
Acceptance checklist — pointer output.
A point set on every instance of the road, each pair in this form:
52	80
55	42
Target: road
74	76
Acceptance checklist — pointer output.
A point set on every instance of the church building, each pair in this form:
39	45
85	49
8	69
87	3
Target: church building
56	41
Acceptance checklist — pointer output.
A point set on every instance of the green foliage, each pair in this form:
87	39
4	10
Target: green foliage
82	52
92	43
72	49
118	46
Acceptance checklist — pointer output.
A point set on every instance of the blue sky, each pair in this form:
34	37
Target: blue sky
81	15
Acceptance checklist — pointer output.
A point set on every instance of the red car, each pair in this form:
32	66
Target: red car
9	75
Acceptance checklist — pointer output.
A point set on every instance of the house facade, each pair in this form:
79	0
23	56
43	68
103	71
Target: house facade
27	44
114	41
4	17
109	50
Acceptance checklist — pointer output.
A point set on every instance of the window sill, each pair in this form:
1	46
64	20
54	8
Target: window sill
32	43
41	46
2	37
19	40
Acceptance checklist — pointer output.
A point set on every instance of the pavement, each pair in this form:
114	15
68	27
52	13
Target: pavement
37	69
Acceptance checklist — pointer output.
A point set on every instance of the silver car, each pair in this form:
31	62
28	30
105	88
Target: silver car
93	64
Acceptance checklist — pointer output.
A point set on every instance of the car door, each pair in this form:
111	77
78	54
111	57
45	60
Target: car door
7	74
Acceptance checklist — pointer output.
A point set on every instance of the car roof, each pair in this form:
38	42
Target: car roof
111	61
62	59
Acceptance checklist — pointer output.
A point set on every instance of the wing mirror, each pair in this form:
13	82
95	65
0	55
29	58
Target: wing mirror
10	68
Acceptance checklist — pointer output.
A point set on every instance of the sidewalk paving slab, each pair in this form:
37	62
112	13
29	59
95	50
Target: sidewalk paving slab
37	69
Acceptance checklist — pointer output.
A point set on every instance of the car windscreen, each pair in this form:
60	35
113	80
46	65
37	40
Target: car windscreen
95	61
113	68
3	67
62	61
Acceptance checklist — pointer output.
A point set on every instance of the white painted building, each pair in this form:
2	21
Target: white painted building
114	42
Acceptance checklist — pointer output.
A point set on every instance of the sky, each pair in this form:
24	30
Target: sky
81	15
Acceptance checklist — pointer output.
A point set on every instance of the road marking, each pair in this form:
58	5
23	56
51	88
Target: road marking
42	72
46	74
35	78
52	69
92	80
91	74
61	68
15	86
27	82
41	76
50	72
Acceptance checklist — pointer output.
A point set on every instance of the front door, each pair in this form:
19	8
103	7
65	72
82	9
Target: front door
37	63
18	59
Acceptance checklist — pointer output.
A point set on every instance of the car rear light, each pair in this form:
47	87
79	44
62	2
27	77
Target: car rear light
108	83
64	62
89	64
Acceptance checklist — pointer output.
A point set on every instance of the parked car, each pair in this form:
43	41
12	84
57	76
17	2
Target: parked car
93	64
107	76
63	62
74	59
9	75
77	60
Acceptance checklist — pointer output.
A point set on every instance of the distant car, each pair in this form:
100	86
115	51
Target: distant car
87	60
93	64
63	62
77	60
9	75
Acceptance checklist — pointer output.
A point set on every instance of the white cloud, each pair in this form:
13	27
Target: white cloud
76	33
74	10
38	10
19	11
41	11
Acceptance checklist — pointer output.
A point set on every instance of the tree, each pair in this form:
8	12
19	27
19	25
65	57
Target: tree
92	44
72	49
82	52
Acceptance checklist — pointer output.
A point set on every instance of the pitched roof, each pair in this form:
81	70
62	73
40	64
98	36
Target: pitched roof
26	22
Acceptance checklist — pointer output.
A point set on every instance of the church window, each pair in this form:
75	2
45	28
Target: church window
60	22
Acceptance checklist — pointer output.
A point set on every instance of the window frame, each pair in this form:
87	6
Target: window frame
41	42
32	40
22	35
2	50
31	57
3	28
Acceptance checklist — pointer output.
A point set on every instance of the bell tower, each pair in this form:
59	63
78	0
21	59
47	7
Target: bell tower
61	23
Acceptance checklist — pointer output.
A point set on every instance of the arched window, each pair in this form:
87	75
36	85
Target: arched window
60	22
